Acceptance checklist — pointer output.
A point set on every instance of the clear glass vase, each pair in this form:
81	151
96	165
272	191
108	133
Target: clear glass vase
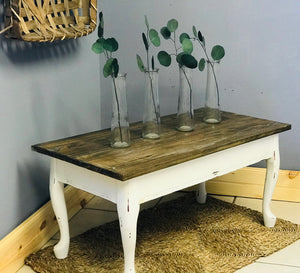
185	112
151	116
120	134
212	113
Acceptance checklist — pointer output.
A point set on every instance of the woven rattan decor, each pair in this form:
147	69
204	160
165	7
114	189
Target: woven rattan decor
49	20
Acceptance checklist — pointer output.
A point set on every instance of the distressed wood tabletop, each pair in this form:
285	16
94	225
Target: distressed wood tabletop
92	150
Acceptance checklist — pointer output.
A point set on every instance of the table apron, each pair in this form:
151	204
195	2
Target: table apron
159	183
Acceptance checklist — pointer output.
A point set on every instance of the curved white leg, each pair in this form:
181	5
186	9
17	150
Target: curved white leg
270	183
128	210
201	193
61	249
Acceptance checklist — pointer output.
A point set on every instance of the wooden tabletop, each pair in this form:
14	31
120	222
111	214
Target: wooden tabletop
92	150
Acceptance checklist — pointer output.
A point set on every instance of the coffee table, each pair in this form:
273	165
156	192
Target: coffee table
149	169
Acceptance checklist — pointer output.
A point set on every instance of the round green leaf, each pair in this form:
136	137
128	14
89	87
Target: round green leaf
194	31
97	47
178	58
183	36
154	38
187	46
140	63
217	53
107	68
164	58
189	61
115	67
172	25
201	65
165	33
111	45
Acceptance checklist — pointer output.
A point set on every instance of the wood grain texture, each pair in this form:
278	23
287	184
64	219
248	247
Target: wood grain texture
36	230
92	150
249	182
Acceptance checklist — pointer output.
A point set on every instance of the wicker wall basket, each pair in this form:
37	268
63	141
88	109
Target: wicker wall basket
49	20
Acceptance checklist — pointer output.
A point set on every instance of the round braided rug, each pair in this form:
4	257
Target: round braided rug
177	236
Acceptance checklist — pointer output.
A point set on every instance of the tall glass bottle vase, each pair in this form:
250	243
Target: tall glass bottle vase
151	116
212	113
185	112
120	134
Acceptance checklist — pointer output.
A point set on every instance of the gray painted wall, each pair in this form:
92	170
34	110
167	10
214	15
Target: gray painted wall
50	91
259	75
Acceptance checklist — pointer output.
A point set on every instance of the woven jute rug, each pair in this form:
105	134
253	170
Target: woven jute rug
177	236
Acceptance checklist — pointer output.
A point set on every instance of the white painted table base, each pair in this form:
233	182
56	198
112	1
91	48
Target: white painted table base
128	195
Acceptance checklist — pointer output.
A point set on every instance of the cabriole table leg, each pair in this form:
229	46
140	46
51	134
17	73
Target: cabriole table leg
61	249
270	183
128	210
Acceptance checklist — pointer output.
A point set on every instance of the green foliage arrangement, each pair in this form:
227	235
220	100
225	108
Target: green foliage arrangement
182	52
217	53
111	67
107	47
151	37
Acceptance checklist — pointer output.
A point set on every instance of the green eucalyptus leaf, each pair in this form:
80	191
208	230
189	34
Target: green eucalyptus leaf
111	45
100	31
178	58
194	31
165	32
101	25
189	61
200	36
187	46
172	25
201	65
101	41
154	38
164	58
140	63
115	67
183	36
97	47
146	22
107	68
100	16
145	41
217	52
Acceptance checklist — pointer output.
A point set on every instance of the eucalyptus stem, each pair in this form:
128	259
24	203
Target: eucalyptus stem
118	107
190	87
151	83
152	95
217	86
